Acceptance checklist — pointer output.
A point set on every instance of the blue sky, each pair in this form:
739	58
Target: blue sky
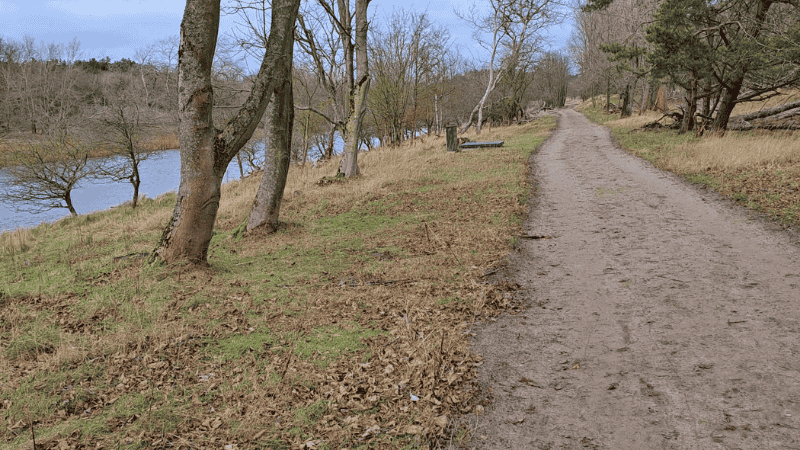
116	28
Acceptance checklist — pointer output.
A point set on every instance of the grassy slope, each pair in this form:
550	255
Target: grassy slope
348	326
758	169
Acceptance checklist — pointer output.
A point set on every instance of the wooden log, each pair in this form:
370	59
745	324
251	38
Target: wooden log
452	141
786	120
482	144
767	112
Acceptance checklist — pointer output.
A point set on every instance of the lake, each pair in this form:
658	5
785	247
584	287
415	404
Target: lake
160	173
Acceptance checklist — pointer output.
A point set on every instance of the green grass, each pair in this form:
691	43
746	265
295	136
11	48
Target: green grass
234	347
34	339
328	343
279	319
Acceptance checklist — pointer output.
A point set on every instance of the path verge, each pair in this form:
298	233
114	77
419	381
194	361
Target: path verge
345	329
658	316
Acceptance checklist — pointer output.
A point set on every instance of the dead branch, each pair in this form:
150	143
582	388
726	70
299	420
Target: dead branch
767	112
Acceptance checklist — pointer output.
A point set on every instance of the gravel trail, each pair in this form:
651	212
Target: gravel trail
661	315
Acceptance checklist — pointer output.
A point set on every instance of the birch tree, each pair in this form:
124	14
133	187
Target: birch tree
511	30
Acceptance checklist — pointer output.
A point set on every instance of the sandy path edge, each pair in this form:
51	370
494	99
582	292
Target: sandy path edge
660	315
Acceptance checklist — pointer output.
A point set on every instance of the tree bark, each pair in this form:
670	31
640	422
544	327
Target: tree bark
136	182
267	205
329	144
734	85
691	108
205	152
359	110
625	110
706	112
68	201
661	99
645	98
767	112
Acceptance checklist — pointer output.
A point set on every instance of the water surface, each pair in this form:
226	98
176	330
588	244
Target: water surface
160	173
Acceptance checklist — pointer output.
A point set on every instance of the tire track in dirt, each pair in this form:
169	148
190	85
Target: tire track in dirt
661	315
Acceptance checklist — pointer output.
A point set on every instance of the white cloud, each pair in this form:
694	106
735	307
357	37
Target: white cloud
8	7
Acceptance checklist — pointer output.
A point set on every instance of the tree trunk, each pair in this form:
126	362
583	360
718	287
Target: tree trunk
767	112
205	152
729	97
68	201
645	98
278	145
144	83
706	99
305	140
625	110
329	146
479	125
691	108
239	163
356	121
661	99
734	85
136	182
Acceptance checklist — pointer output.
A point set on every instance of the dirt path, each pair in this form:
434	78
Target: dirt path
661	315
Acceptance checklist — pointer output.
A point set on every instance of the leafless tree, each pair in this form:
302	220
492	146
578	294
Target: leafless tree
510	30
123	124
335	42
407	59
206	150
44	173
551	78
42	87
622	22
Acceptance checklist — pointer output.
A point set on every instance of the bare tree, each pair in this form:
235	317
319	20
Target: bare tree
42	87
308	91
167	50
608	46
509	31
44	173
342	65
550	79
267	206
123	124
406	61
143	57
205	150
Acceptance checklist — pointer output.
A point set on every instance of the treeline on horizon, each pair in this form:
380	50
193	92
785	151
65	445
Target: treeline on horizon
421	83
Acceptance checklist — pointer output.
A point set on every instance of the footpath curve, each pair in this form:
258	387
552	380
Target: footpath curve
661	316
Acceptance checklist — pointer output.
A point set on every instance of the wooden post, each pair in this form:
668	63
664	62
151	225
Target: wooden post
452	139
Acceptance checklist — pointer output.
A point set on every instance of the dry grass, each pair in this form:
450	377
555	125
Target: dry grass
736	152
164	141
760	169
17	241
322	331
750	107
15	141
636	120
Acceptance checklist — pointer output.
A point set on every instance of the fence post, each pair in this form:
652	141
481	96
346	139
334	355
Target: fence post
452	139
